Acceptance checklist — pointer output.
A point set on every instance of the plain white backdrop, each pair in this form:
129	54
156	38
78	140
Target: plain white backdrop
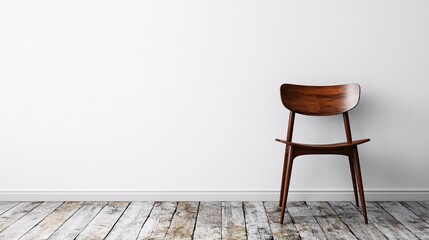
180	99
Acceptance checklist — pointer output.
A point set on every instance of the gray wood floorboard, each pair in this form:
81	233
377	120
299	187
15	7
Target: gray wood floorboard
257	225
386	223
329	221
183	223
411	221
233	224
129	225
27	222
354	220
53	221
15	213
209	221
287	230
101	225
76	223
159	221
5	206
212	220
417	209
305	223
425	204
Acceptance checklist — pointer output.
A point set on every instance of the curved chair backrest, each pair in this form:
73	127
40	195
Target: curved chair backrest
320	100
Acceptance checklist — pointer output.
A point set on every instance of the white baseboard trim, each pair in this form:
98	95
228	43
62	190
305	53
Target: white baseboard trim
212	195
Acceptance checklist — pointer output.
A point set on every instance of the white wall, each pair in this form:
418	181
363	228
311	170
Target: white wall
170	98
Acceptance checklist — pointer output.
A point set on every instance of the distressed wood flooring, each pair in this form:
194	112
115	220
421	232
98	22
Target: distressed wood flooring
211	220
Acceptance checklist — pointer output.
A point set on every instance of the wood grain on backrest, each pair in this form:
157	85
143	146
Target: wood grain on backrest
320	100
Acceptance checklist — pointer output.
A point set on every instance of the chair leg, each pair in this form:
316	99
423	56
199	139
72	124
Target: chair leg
360	184
352	171
287	183
285	163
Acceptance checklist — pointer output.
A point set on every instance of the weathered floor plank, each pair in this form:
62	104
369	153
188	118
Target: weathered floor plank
158	222
129	225
329	221
24	224
75	224
411	221
354	220
209	221
5	206
287	230
53	221
418	209
183	222
212	220
101	225
305	223
257	225
233	224
386	223
15	213
425	204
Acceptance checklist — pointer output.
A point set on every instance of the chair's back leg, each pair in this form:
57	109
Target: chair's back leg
352	172
347	126
287	183
360	183
356	164
285	163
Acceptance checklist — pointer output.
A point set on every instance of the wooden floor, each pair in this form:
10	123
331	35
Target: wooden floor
211	220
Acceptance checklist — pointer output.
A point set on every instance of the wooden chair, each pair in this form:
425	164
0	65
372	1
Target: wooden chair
321	101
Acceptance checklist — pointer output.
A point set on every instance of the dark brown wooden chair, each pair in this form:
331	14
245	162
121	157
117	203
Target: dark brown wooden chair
321	101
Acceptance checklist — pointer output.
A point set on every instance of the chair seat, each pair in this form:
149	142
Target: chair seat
325	146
